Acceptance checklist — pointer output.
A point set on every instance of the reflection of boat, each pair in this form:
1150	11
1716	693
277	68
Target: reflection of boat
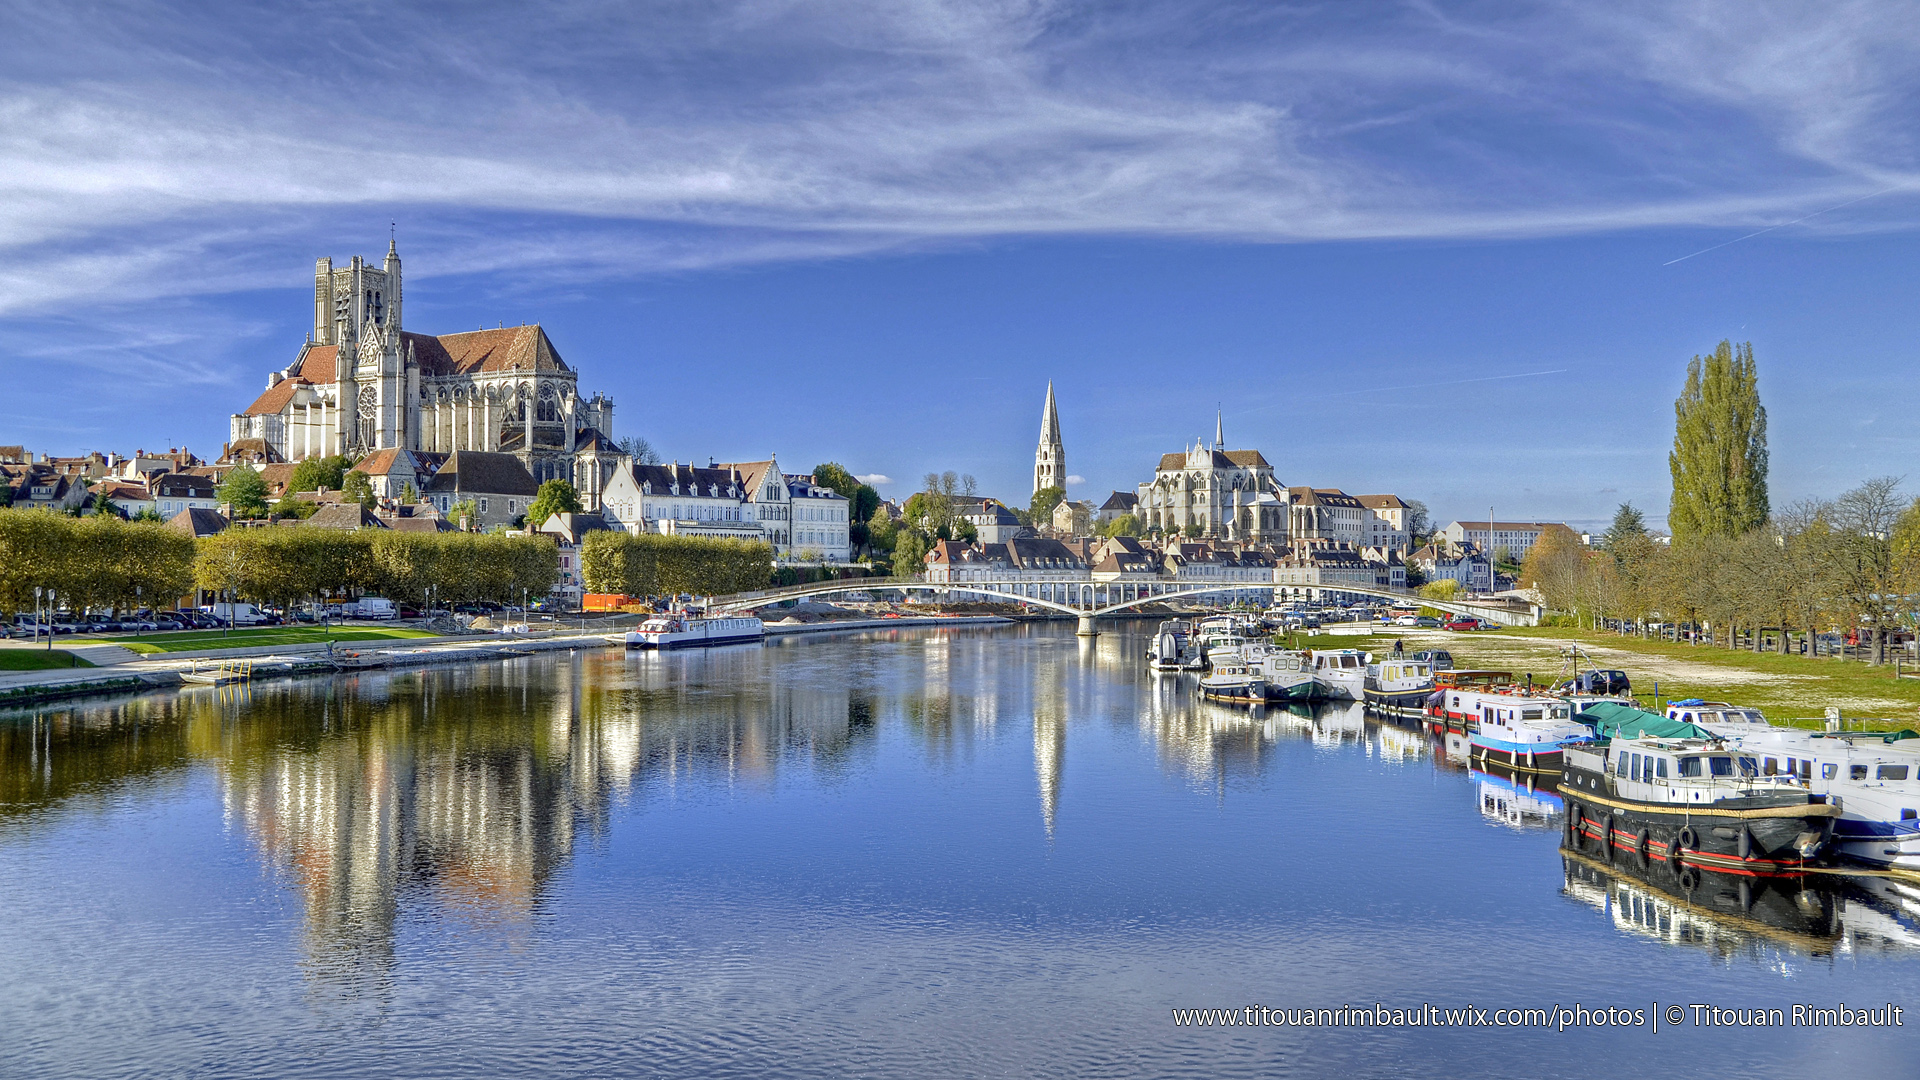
1341	673
1688	804
1524	732
692	631
1233	681
1516	803
1726	913
1398	687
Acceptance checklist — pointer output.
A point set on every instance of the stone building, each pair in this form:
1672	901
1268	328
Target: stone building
362	384
1050	460
1228	494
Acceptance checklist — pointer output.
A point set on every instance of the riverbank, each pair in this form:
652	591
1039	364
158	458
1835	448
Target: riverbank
168	671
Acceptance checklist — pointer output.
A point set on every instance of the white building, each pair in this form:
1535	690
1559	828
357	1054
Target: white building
1386	523
1518	537
738	500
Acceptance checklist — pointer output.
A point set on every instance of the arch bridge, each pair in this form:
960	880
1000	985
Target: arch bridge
1087	599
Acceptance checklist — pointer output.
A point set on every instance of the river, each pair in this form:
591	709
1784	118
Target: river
922	853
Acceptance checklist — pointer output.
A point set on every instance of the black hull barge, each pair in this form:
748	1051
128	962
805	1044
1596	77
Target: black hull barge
1676	807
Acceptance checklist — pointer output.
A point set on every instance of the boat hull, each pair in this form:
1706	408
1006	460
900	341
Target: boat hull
1521	757
1754	837
1236	691
1894	844
1399	702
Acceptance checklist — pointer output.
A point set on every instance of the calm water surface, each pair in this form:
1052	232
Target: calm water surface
1006	853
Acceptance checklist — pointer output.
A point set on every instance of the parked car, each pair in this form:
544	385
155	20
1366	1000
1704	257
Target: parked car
1426	622
1463	622
1438	659
1407	620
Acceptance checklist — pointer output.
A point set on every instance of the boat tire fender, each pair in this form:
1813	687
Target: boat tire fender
1574	832
1688	839
1689	878
1641	849
1606	837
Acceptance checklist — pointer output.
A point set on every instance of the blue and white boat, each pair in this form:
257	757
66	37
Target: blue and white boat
1526	733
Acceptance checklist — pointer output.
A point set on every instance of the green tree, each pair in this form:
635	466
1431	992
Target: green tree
358	487
1719	458
464	513
1040	509
554	497
1124	525
910	547
148	513
408	493
1193	530
881	530
316	473
862	500
1628	523
244	492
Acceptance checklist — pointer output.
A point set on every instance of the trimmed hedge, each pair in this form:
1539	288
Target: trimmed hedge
654	565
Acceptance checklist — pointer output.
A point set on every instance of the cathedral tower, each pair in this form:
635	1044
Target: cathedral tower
1050	461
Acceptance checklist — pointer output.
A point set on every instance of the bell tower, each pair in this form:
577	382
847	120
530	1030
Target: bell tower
1050	460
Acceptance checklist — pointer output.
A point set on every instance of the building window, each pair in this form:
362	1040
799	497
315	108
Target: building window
483	506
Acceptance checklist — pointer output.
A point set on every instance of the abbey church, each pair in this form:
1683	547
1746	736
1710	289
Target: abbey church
362	384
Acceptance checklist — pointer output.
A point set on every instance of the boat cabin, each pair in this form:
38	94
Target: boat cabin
1695	711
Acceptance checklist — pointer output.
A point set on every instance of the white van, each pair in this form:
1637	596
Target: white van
373	607
238	614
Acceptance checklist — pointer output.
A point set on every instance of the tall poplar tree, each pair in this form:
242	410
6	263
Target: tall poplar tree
1719	458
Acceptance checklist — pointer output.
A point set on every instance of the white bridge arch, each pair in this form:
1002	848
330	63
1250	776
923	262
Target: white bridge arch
1088	599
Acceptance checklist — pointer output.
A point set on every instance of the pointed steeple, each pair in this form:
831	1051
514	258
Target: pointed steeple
1219	430
1050	460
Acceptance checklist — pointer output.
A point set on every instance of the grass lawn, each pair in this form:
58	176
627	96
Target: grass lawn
200	640
1786	688
38	660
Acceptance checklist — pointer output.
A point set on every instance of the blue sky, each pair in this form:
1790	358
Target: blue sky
1426	248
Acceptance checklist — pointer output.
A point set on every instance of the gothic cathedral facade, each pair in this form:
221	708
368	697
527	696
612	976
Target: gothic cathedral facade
362	383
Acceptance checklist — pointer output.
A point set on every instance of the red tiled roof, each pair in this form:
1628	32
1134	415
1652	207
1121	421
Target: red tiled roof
526	348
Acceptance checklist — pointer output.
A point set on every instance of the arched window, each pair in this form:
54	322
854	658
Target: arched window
549	408
369	416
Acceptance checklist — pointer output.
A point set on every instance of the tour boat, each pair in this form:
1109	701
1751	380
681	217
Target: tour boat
1398	687
1233	681
1341	673
1688	801
1288	674
680	631
1526	733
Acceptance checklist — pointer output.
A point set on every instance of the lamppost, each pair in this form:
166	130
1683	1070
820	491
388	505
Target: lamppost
52	605
136	605
39	622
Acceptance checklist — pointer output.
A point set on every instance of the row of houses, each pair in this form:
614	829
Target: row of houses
1311	570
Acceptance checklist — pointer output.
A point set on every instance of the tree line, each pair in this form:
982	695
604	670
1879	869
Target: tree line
1741	571
102	562
655	565
281	566
99	561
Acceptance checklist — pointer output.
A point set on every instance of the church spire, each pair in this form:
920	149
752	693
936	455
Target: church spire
1219	430
1050	460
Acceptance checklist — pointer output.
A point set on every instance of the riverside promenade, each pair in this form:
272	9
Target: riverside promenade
119	670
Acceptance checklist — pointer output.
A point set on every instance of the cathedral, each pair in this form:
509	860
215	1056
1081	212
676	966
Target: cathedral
361	384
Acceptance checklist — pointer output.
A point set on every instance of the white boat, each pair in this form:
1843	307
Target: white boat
1288	674
1397	686
1521	732
1233	681
1173	648
1341	673
692	631
1874	778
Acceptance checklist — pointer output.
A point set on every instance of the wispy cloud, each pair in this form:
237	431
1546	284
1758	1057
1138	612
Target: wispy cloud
875	479
607	139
